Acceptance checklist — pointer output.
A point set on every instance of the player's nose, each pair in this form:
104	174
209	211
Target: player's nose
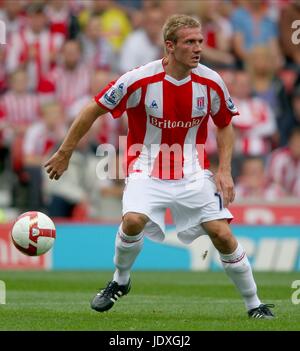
197	48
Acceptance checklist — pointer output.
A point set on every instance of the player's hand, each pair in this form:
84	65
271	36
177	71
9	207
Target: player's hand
57	164
225	186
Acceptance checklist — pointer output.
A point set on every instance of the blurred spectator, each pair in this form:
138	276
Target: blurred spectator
106	129
75	186
97	52
289	15
11	14
228	75
145	44
20	108
114	23
295	121
35	48
252	26
268	86
98	192
108	206
253	183
61	19
133	8
217	31
170	7
128	5
256	124
71	79
284	165
3	73
40	139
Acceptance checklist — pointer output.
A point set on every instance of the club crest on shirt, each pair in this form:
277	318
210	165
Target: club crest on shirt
114	95
230	105
200	103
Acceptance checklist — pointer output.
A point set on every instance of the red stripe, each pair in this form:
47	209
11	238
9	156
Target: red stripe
236	260
20	109
177	105
136	133
30	251
49	233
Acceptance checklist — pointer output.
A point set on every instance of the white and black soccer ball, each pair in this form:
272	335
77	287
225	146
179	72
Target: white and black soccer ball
33	233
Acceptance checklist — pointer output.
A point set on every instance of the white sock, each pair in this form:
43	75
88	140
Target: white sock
238	268
127	247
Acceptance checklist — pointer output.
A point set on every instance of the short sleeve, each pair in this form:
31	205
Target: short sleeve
222	106
113	97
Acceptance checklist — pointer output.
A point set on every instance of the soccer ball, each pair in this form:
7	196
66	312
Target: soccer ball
33	233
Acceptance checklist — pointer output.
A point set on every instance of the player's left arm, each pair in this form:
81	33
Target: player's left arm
223	177
222	111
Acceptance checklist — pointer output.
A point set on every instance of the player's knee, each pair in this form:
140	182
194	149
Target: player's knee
134	223
223	235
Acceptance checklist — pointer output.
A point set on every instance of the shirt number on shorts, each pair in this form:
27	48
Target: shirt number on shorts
220	200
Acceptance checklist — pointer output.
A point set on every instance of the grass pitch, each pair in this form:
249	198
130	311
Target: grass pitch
158	301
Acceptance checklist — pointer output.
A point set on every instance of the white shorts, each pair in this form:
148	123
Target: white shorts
192	201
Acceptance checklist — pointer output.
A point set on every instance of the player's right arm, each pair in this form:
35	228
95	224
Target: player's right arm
59	162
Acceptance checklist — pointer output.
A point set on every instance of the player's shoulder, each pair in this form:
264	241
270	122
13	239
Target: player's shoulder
208	74
148	70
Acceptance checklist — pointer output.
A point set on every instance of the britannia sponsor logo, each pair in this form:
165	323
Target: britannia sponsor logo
167	124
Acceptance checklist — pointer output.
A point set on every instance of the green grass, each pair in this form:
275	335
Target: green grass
161	301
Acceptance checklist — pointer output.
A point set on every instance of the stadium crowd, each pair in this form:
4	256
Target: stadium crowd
60	53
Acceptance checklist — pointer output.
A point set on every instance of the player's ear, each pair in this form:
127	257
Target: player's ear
170	45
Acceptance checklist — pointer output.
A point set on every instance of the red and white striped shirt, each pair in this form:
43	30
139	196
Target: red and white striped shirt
58	19
39	140
167	113
283	169
45	44
71	85
256	123
20	109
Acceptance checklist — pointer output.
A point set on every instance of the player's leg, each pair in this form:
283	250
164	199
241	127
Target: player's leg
237	266
143	205
128	244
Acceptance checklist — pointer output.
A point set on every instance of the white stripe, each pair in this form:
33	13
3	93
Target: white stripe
199	91
152	140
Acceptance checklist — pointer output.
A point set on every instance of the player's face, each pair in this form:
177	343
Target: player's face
187	49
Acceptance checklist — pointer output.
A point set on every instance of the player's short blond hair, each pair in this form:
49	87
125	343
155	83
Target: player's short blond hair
176	22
